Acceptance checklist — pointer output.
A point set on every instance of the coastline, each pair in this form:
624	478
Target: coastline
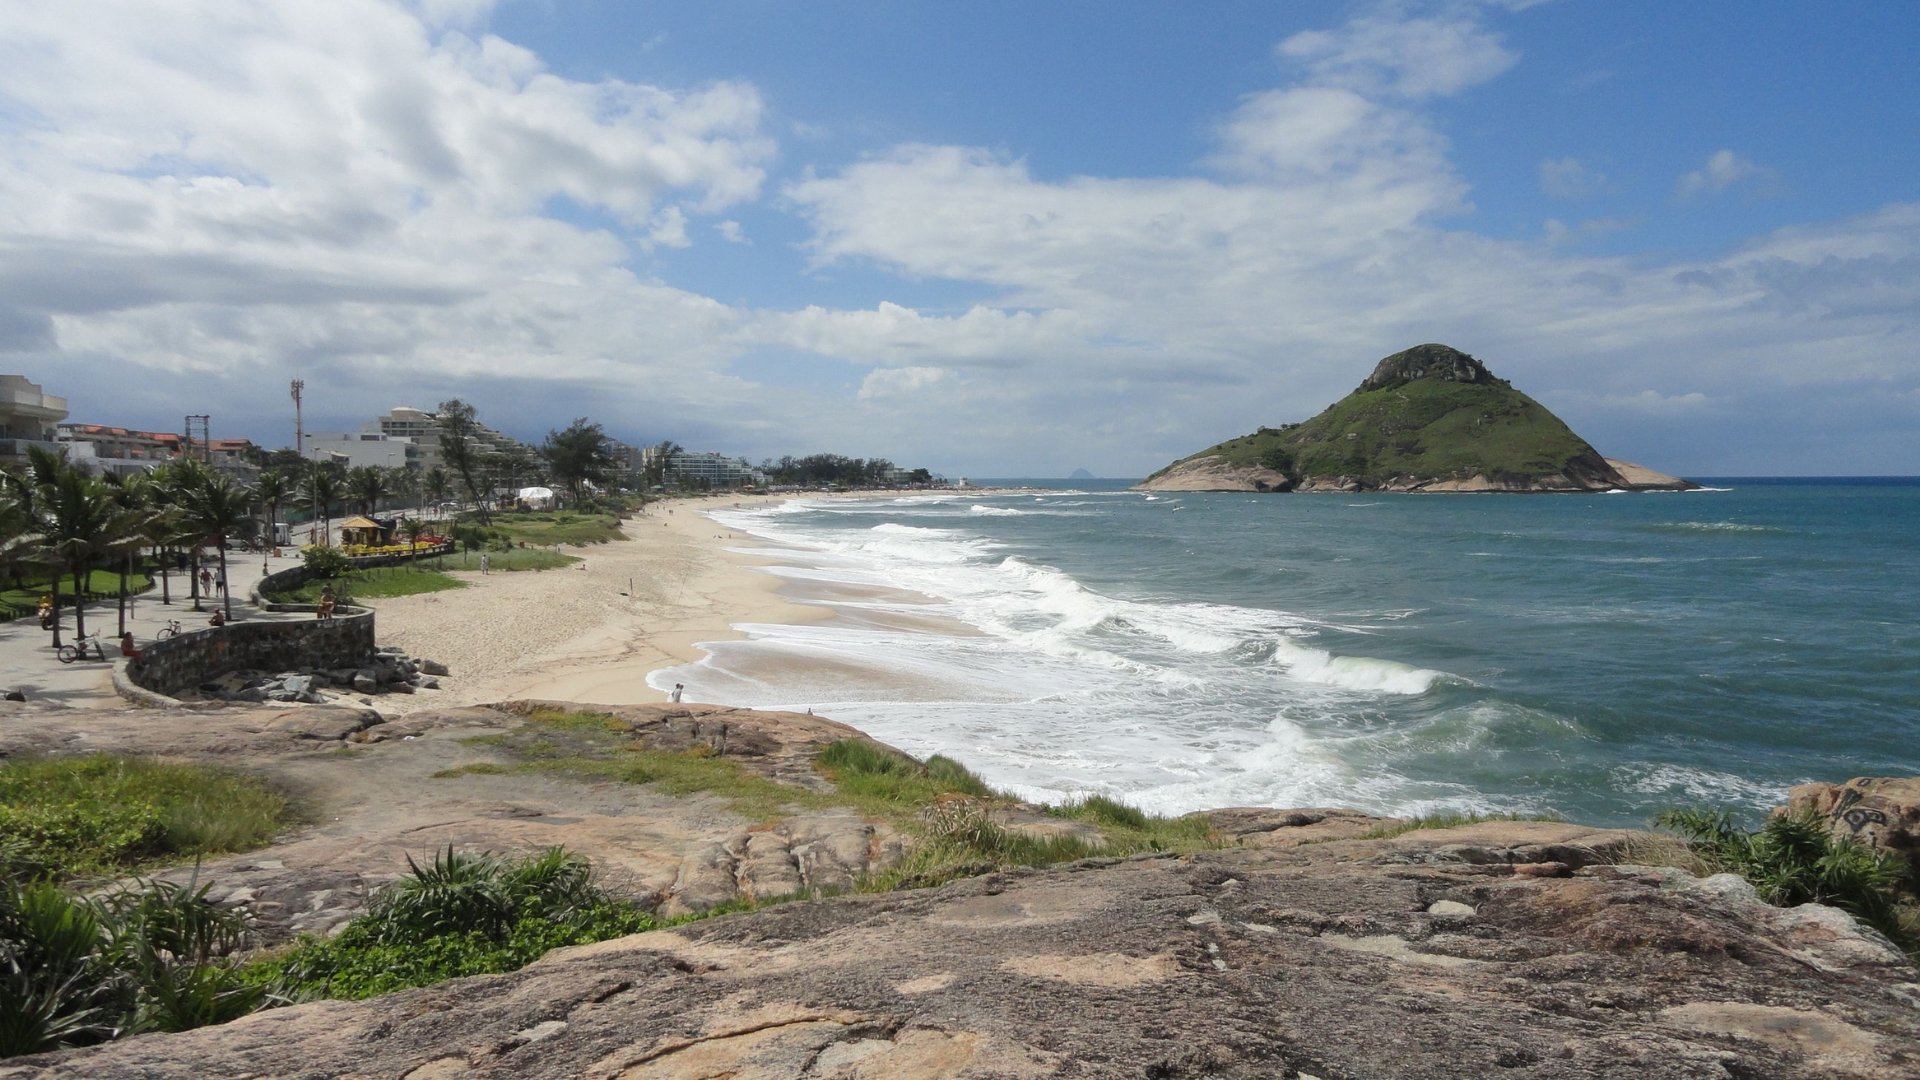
573	634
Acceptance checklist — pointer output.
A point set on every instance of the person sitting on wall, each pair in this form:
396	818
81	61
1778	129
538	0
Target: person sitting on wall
126	646
327	602
219	618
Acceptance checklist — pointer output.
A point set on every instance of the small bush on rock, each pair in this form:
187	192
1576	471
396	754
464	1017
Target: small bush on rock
462	914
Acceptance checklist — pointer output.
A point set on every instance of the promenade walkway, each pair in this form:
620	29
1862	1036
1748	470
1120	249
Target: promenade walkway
28	663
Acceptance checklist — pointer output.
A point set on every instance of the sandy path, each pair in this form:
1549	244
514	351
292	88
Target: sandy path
574	634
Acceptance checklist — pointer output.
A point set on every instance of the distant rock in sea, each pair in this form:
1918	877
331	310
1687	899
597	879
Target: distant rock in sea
1080	474
1431	418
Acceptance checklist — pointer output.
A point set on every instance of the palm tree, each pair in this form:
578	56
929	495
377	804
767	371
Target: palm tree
437	485
130	495
176	479
414	529
218	508
274	490
20	545
323	490
367	485
80	524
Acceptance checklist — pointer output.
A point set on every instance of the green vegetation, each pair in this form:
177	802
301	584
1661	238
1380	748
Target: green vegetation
463	914
511	558
102	813
1451	820
546	529
1794	859
145	956
953	810
372	583
28	594
1406	421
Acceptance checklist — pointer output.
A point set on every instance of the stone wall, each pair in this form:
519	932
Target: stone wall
166	667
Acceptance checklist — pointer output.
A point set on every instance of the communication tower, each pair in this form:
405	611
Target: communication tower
197	427
299	433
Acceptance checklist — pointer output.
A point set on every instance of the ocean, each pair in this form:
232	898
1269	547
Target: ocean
1597	656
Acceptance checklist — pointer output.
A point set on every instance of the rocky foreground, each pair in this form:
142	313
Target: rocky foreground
1509	949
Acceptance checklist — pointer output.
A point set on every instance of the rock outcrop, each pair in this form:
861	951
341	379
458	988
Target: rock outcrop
1880	812
1429	419
1504	949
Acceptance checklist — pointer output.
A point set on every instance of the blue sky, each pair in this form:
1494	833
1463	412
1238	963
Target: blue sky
992	238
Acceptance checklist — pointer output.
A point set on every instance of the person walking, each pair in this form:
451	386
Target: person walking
678	689
486	563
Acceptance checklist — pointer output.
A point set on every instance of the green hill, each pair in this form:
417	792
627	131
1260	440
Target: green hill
1431	418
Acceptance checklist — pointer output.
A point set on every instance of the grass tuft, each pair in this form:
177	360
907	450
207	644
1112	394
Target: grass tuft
1451	820
106	813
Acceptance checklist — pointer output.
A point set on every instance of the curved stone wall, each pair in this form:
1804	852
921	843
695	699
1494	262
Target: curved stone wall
167	667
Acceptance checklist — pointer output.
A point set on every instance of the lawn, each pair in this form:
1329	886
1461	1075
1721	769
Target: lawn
516	559
560	527
104	813
373	583
100	581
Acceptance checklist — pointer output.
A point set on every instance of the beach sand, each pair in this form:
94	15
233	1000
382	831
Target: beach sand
574	634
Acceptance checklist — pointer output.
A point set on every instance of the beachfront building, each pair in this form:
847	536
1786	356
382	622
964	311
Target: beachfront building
101	448
423	429
703	469
29	417
354	449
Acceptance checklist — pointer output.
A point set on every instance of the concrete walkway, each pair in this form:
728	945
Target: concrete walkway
28	663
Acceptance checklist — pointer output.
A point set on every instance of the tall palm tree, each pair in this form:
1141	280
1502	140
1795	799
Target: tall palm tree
437	484
176	479
367	485
80	525
323	490
274	490
130	496
20	546
218	508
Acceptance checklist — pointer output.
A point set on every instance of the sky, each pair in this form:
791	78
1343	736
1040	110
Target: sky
992	239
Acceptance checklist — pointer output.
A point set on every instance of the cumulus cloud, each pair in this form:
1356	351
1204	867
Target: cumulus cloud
1410	58
901	382
1570	178
1723	169
731	232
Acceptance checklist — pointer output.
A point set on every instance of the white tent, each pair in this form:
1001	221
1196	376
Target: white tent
536	498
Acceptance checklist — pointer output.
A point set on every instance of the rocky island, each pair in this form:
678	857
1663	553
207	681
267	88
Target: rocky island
1429	419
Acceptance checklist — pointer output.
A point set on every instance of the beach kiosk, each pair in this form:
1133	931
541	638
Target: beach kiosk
361	532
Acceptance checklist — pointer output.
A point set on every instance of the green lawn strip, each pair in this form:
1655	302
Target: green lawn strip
512	560
106	814
99	581
548	529
371	584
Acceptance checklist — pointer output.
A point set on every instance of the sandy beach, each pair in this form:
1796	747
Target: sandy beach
592	632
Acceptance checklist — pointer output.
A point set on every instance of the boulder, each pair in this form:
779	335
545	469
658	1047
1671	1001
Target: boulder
298	684
1881	812
365	682
14	695
433	667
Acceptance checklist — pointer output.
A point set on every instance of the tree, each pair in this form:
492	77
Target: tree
661	462
323	490
217	508
274	490
368	485
414	529
80	525
579	456
175	480
459	430
437	484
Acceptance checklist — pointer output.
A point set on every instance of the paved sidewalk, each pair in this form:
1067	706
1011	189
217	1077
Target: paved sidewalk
28	663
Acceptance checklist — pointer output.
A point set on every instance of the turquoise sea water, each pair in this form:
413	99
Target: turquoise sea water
1600	656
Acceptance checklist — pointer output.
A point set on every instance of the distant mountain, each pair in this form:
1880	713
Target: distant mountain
1431	418
1080	474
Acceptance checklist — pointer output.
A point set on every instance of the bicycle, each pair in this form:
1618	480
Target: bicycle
78	650
172	629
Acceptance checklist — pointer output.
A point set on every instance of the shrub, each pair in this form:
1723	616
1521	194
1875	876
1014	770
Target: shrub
324	562
145	956
463	914
1795	859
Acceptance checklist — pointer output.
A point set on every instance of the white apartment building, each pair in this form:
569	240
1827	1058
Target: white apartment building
423	429
28	417
698	467
357	448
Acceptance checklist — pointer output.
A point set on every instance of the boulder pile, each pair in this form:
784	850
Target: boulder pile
388	671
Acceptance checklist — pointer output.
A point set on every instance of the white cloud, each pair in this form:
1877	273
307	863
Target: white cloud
889	383
1645	403
1570	178
731	232
1409	58
1722	170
